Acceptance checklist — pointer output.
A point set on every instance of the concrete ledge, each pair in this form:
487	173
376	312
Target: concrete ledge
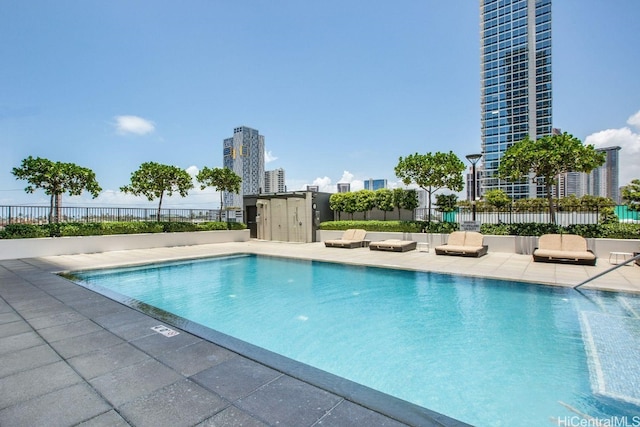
50	246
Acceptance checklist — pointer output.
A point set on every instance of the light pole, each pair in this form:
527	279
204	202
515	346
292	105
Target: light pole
473	158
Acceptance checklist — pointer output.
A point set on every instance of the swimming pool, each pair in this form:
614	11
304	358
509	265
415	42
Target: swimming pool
483	351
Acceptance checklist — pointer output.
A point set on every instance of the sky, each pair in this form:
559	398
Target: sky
339	89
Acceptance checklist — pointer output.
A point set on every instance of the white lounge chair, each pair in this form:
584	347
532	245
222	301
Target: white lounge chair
393	245
352	238
464	243
569	248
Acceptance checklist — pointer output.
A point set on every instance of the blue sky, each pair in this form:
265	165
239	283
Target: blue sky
339	89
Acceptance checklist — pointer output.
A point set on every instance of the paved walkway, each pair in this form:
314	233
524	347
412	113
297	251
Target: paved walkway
69	356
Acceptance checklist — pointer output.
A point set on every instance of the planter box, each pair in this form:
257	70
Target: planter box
50	246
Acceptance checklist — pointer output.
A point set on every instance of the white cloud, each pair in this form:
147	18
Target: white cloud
268	157
346	177
356	184
628	141
324	185
193	171
635	120
133	125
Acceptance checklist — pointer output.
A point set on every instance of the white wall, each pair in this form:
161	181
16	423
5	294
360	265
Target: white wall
49	246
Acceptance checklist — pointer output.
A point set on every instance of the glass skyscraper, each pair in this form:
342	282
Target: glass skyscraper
244	154
515	52
375	184
604	180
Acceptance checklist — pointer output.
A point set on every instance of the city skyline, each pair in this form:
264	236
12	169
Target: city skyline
339	91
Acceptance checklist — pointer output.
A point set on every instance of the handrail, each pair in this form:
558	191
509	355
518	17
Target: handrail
608	270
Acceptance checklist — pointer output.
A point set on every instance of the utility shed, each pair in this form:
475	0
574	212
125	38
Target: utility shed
286	217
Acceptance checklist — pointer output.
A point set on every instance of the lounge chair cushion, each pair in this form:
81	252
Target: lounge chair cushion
395	245
473	239
550	242
351	238
466	243
456	238
574	243
563	248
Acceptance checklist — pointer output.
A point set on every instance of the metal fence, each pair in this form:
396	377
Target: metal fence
510	215
40	214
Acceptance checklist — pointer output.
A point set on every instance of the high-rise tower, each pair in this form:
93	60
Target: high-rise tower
274	181
515	76
244	154
604	180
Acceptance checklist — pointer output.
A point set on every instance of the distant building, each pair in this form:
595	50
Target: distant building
604	181
571	183
469	185
244	154
274	181
375	184
344	187
314	188
423	198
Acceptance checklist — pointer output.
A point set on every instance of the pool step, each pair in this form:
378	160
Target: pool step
631	305
613	344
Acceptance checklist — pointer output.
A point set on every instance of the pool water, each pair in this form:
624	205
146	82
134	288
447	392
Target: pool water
486	352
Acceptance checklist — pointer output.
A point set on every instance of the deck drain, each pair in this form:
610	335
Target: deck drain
167	332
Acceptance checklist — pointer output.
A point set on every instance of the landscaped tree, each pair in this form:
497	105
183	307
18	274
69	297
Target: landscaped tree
349	203
365	201
223	179
398	199
631	195
547	158
384	200
56	178
336	203
497	198
410	200
431	172
154	180
446	202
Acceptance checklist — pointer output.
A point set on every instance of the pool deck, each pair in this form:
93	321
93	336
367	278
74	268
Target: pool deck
69	356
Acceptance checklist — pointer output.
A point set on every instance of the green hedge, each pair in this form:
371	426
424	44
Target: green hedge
603	231
392	226
68	229
607	231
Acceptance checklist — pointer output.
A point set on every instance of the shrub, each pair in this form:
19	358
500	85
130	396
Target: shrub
68	229
173	227
23	231
611	231
236	225
620	231
392	226
533	229
495	229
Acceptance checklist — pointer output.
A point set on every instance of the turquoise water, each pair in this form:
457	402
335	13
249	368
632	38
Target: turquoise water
486	352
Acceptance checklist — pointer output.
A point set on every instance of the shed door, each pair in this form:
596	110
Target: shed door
279	221
297	219
263	220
